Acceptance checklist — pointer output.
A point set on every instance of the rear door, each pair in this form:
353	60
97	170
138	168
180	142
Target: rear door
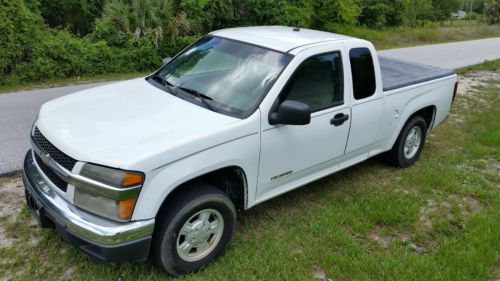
367	97
290	153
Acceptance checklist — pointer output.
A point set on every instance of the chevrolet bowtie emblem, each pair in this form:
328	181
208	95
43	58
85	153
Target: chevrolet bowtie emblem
45	158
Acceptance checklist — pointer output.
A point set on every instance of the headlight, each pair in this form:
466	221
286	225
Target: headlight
107	192
113	177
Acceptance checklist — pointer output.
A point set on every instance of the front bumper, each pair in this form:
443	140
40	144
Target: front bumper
102	239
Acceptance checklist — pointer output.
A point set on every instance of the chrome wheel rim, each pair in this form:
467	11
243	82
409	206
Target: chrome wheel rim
412	142
199	235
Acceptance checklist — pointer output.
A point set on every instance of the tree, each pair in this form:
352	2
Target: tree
206	15
477	6
22	30
335	12
444	8
275	12
381	13
418	9
76	15
492	10
137	18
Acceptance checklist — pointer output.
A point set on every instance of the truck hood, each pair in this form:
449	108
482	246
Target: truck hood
123	124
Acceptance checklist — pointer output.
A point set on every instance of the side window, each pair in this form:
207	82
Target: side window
363	73
317	82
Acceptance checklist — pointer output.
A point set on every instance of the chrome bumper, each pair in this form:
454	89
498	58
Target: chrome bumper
76	221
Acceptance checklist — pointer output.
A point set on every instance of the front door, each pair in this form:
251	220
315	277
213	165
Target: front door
291	152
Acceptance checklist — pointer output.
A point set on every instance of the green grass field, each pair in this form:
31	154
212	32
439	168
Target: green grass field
406	37
436	220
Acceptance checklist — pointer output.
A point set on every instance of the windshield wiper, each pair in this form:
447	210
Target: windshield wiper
201	96
158	78
162	80
165	80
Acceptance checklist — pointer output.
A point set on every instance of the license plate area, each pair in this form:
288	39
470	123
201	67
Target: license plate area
38	211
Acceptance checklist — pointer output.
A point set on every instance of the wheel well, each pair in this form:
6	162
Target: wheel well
231	180
427	113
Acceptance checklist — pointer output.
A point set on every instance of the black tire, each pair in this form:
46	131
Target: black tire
193	199
396	155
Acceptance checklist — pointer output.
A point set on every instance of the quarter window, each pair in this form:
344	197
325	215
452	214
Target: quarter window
363	73
317	82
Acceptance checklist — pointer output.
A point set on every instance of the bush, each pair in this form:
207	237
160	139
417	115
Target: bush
21	32
169	48
207	15
33	52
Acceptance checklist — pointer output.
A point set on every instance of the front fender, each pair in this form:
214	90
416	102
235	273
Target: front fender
242	152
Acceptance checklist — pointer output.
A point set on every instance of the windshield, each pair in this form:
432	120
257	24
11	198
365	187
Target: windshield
229	76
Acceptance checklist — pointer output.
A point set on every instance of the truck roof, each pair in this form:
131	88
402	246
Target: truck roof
280	38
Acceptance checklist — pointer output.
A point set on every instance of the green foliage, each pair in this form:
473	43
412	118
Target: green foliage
48	39
277	12
334	12
443	8
492	10
62	55
382	13
477	6
133	18
417	9
21	32
76	15
207	15
31	52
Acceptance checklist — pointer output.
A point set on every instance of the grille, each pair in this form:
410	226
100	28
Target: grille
53	177
59	156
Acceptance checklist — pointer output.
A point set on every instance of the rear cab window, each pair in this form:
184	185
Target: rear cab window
363	73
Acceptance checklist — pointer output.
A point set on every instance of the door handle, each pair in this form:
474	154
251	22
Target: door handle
339	119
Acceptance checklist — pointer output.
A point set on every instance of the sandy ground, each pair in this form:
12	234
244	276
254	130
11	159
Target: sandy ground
11	202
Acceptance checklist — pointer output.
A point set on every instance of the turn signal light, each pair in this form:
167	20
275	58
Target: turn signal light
126	207
130	179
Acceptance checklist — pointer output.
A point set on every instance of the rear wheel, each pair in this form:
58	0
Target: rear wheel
194	229
409	143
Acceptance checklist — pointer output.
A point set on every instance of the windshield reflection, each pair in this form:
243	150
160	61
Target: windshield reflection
233	76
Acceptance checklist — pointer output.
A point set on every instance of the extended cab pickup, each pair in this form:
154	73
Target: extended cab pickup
159	165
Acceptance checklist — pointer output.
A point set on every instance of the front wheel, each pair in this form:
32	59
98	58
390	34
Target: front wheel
194	230
409	143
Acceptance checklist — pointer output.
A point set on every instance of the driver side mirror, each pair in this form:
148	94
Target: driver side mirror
165	61
291	113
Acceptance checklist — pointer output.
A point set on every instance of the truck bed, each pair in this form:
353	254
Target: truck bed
398	73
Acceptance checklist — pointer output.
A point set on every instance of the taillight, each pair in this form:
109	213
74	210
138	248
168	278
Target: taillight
454	92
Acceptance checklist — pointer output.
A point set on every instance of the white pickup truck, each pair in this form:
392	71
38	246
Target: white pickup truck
159	165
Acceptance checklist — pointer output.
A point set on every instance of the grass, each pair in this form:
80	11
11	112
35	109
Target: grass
489	65
59	82
405	37
437	220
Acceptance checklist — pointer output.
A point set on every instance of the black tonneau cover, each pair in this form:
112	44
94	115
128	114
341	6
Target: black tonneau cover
398	73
